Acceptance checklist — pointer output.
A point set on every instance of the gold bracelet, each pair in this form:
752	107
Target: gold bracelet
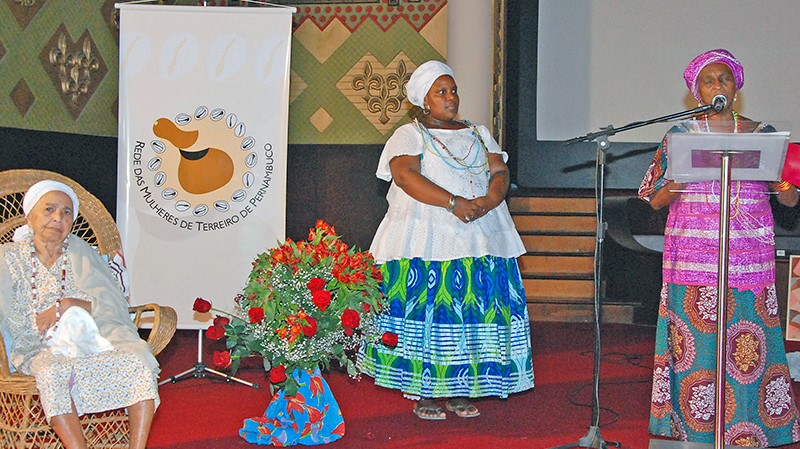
781	186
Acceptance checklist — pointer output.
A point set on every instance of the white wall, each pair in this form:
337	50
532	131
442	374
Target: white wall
614	62
469	54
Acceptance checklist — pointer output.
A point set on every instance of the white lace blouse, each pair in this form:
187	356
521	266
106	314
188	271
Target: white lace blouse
414	229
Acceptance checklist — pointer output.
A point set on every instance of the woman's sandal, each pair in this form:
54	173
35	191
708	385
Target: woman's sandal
429	411
462	408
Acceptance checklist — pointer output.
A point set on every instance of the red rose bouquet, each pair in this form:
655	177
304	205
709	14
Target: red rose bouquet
305	303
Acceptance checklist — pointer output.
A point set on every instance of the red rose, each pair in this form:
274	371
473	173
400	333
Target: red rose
316	284
277	374
310	329
350	318
389	339
321	299
256	314
222	358
221	321
215	332
366	307
201	305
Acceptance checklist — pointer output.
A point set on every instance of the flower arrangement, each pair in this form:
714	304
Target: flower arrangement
305	303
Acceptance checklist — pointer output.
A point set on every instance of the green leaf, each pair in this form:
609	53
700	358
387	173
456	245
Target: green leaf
290	386
235	365
351	368
254	346
240	351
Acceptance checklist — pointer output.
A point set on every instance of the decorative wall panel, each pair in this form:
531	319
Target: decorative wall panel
350	63
58	66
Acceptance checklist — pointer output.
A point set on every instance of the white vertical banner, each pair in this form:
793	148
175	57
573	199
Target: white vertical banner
203	130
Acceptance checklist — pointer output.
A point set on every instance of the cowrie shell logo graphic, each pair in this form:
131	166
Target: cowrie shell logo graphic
202	162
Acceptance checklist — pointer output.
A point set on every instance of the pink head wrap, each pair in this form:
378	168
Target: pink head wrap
710	57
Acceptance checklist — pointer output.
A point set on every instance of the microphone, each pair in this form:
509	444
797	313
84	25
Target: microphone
719	102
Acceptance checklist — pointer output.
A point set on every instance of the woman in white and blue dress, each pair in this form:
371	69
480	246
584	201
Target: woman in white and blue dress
447	248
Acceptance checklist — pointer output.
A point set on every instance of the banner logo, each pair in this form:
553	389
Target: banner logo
202	172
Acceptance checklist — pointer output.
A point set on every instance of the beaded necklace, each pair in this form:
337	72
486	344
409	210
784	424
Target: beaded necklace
735	122
474	167
736	198
35	271
750	224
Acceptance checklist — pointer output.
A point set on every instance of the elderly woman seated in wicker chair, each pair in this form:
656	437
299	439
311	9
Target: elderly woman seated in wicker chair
47	274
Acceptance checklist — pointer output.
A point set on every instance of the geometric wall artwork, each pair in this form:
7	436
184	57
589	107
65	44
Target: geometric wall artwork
350	62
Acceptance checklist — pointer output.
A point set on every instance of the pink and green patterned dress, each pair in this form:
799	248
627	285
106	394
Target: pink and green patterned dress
760	407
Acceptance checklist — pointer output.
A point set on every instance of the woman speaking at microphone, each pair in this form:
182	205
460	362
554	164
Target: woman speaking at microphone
760	410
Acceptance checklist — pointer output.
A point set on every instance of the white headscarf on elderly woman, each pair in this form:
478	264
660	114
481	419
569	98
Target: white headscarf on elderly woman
34	194
422	79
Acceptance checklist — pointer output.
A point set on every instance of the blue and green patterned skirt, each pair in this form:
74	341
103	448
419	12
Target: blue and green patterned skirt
462	327
760	408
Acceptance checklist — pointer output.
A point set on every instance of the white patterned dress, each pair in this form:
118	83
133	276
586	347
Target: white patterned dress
105	381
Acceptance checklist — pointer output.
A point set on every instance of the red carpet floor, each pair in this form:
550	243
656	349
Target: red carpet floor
206	413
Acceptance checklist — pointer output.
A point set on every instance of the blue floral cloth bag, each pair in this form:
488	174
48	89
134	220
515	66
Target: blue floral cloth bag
310	417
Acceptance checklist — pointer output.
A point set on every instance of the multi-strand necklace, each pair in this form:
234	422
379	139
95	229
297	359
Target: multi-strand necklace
736	198
474	166
735	122
748	221
35	271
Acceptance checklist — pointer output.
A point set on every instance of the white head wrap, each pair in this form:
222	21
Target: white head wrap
34	194
422	79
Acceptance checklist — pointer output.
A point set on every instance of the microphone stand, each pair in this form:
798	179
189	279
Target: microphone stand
610	130
593	439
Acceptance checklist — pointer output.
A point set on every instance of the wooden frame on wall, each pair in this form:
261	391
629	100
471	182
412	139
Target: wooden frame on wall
498	69
793	300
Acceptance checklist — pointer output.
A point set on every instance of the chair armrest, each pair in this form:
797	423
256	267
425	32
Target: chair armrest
165	320
5	371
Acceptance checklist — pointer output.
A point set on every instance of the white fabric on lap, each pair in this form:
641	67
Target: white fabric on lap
76	335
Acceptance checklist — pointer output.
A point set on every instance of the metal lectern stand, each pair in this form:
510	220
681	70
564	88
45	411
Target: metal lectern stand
765	167
722	287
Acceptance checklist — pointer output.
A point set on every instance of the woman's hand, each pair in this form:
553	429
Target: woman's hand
66	303
498	188
468	210
787	193
665	195
48	318
488	202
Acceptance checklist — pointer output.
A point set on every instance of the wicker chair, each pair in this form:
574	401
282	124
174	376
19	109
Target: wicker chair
22	421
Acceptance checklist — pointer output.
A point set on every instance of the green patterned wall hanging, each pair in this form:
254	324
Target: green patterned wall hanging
58	66
350	63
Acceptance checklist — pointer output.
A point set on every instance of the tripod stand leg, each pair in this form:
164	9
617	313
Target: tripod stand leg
200	369
181	376
229	378
592	439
